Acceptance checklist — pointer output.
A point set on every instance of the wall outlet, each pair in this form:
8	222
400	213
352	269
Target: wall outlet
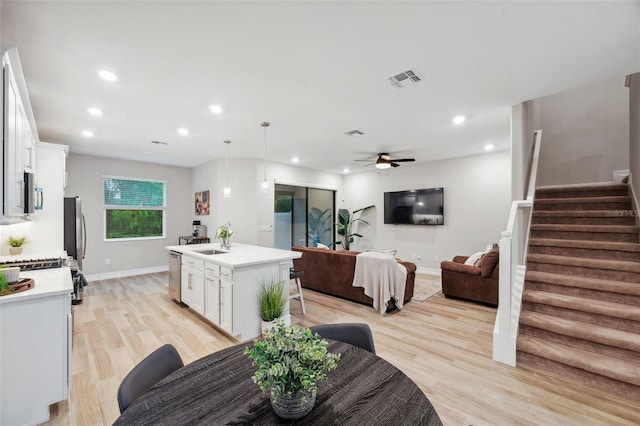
107	261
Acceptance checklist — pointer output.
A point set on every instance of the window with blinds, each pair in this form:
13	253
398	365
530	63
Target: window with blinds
134	208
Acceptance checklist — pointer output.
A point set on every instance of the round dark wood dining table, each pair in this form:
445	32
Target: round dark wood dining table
217	390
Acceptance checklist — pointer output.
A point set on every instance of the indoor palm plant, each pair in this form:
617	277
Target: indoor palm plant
15	244
290	362
272	301
345	224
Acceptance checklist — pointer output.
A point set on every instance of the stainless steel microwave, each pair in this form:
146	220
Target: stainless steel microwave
33	194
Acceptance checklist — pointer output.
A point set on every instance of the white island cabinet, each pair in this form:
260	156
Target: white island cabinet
36	329
223	286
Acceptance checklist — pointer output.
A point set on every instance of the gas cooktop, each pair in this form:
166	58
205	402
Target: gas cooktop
31	264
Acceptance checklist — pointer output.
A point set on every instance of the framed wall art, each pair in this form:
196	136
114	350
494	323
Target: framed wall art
202	206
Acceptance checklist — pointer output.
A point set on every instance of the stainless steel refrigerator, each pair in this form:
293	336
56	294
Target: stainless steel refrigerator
75	235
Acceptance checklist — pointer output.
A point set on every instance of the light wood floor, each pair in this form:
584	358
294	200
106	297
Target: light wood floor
443	345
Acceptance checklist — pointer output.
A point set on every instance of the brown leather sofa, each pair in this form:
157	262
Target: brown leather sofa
331	272
470	282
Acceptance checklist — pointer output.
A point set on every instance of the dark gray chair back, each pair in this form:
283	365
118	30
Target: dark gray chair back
356	334
155	367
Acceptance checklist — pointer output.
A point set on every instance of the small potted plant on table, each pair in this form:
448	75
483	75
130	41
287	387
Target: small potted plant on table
290	362
15	244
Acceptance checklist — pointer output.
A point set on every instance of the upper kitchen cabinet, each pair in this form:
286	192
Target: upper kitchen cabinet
19	139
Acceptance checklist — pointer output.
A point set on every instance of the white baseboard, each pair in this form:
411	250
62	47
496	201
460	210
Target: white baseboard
128	273
429	271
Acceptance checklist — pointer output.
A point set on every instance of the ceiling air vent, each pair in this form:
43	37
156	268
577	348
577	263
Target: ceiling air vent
354	132
404	77
159	143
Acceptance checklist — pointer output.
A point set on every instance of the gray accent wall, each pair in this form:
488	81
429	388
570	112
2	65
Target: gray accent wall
85	179
585	134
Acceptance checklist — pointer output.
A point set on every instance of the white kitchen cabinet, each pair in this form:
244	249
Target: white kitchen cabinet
192	283
231	283
19	134
226	306
219	296
35	348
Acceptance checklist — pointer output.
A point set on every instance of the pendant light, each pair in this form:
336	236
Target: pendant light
264	186
227	189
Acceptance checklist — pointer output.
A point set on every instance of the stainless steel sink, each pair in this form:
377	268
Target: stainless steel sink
209	251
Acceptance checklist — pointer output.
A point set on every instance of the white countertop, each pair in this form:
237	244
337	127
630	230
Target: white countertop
239	255
48	282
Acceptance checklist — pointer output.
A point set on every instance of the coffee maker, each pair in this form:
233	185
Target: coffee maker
199	231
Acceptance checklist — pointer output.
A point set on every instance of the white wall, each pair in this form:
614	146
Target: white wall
248	208
585	134
85	179
477	192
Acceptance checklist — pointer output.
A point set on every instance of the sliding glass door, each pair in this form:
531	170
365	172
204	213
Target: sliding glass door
303	216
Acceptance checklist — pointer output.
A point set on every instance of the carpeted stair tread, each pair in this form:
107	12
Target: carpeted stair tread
586	244
621	229
584	190
624	371
598	307
583	262
584	200
580	330
574	213
623	287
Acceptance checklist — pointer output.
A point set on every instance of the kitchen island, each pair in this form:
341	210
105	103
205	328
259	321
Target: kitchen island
222	285
35	347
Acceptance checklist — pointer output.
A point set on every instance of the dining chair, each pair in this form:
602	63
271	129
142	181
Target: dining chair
156	366
356	334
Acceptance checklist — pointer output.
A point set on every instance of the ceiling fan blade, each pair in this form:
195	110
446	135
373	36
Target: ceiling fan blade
369	161
403	160
394	164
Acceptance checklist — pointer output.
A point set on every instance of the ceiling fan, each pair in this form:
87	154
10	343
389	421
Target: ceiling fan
385	161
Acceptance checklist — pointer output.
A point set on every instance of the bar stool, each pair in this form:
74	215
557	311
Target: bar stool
295	275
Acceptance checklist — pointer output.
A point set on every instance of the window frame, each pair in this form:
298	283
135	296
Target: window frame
106	207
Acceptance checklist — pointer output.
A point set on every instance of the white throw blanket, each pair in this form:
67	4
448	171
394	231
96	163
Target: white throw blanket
381	277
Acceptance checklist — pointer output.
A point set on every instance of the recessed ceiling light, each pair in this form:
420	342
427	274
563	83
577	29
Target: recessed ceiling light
345	170
107	75
215	109
87	133
95	111
183	131
489	147
459	119
295	159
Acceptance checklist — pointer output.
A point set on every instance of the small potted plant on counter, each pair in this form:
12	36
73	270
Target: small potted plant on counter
290	362
15	244
224	233
272	301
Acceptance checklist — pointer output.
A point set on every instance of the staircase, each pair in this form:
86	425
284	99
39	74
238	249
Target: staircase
580	313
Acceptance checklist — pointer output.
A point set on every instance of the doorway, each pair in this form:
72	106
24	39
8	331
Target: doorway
303	216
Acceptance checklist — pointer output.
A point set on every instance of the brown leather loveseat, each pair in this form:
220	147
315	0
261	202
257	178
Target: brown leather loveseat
331	272
478	283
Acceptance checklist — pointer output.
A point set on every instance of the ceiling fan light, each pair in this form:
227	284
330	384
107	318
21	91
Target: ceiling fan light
382	166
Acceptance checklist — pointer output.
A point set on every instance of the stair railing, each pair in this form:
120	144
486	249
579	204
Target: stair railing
514	242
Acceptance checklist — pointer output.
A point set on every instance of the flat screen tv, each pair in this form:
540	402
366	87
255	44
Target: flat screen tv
414	207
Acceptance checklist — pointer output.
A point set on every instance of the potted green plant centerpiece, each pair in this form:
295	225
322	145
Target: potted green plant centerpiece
15	244
272	301
224	233
290	362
